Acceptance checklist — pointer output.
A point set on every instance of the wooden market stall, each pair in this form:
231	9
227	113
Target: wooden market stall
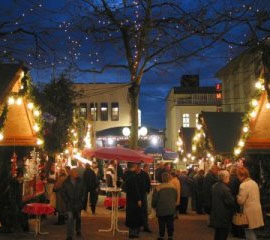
19	125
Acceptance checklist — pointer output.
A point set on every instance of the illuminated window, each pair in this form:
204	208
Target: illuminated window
115	111
186	120
104	111
83	109
93	111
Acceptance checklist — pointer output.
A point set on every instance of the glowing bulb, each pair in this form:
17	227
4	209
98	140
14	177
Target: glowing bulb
194	148
258	85
254	103
184	160
11	100
66	151
30	106
253	114
212	159
36	128
245	129
39	141
1	136
126	132
209	155
237	151
19	101
36	113
143	131
268	105
199	126
192	158
241	143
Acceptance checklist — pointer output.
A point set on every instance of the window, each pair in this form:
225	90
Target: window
93	111
83	109
104	111
185	120
115	111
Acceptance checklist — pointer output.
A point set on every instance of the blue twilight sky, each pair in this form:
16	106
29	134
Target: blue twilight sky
52	20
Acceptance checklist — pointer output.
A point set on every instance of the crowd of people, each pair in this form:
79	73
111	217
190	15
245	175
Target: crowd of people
218	193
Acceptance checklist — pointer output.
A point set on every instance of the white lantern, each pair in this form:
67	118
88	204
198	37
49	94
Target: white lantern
143	131
126	131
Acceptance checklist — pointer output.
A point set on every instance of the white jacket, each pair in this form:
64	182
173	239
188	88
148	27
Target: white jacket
249	198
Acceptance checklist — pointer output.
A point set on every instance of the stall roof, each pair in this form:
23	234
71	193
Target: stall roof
224	130
187	135
18	126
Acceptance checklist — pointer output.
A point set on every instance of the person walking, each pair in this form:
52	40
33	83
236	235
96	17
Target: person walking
91	184
222	206
60	204
176	183
198	187
134	201
249	198
209	180
73	194
186	184
164	201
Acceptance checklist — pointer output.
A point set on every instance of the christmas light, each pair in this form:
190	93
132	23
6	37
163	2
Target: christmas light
30	106
19	101
87	139
268	105
143	131
11	100
39	141
36	113
245	129
184	160
241	143
126	132
259	85
254	103
194	148
253	114
237	151
36	128
1	136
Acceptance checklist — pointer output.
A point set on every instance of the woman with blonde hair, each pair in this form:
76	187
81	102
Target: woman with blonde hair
249	198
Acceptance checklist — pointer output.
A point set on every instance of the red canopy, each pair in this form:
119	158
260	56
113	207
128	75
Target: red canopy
120	154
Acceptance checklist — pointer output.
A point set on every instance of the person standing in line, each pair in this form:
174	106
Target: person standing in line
60	204
164	201
159	170
198	185
249	198
91	184
73	194
144	175
186	183
134	201
209	180
222	206
176	183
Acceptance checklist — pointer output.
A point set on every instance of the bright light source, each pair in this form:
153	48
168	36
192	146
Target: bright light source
126	131
245	129
36	128
39	141
241	143
268	105
1	136
254	103
184	159
194	148
209	155
189	155
192	158
199	126
212	159
19	101
66	151
30	106
36	113
154	140
253	114
176	160
81	159
258	85
237	151
11	100
143	131
110	141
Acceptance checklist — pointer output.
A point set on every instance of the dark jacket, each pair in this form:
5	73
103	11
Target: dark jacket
209	180
234	186
73	195
133	211
144	182
164	200
90	180
158	174
222	206
186	185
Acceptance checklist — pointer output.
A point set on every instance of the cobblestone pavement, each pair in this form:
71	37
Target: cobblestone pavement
187	227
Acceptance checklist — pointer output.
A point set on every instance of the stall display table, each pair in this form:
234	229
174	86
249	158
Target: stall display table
114	212
38	209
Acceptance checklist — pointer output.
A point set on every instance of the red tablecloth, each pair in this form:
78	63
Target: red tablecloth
38	209
121	202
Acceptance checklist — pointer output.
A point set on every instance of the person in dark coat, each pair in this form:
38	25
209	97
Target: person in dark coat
234	186
145	187
222	206
198	185
164	201
73	194
134	201
186	191
209	180
91	184
159	170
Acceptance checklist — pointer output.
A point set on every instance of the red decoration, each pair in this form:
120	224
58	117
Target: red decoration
38	209
121	202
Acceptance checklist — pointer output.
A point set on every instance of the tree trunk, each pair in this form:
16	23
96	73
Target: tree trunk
134	99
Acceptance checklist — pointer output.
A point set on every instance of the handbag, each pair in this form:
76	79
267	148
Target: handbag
240	219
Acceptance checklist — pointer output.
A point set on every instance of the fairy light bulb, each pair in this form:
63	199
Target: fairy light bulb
241	143
268	105
30	106
254	103
245	129
237	151
1	136
39	141
19	101
11	100
36	113
36	128
253	114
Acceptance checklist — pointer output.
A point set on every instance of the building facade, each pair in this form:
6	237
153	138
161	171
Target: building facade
105	105
183	106
238	80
